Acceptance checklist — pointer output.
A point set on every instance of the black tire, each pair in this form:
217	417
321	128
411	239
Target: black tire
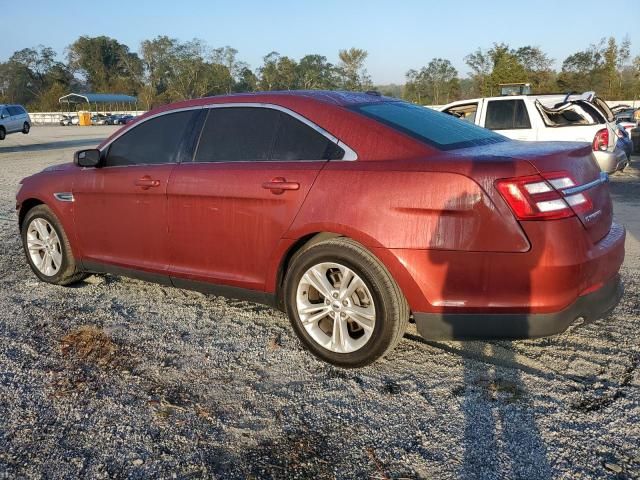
3	133
25	128
69	272
392	310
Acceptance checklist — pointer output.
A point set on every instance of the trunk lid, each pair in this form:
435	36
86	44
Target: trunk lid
578	162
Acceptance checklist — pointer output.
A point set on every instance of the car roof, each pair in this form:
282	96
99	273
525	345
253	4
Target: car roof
330	97
335	97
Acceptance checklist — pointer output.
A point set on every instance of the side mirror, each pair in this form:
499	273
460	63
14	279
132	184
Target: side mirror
87	158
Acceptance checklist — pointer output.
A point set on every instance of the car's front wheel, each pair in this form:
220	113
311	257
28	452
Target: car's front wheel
343	304
47	247
26	127
3	133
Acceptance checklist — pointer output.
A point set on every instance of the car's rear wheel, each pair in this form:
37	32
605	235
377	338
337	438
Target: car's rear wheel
47	248
25	128
3	133
343	304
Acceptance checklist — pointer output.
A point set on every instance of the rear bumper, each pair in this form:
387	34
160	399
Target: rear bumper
611	162
462	326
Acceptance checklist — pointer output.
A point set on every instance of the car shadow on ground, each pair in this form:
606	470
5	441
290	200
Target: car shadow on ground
55	145
500	436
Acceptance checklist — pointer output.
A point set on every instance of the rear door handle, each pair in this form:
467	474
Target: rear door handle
147	182
279	184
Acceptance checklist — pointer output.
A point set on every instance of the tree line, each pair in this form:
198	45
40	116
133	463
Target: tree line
165	69
605	67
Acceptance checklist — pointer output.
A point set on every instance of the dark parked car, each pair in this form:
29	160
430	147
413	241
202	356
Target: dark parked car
354	213
124	119
627	114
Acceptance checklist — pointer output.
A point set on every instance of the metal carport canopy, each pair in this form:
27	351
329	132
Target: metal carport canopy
97	98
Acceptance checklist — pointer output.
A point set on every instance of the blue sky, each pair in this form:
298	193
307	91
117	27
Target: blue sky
398	35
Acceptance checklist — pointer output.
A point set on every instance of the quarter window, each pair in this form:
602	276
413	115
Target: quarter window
507	115
155	141
297	141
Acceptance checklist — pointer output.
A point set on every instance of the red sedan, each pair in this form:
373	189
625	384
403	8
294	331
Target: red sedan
353	212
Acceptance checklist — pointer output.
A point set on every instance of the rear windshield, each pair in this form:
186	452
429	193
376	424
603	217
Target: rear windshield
442	131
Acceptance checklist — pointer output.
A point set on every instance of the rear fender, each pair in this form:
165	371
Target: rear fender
407	209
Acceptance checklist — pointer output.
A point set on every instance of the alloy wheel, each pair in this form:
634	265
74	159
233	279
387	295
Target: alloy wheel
44	247
336	307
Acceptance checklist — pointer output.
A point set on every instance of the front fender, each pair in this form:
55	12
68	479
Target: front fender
40	189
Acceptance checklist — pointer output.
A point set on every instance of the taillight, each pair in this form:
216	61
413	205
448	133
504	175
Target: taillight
601	140
539	197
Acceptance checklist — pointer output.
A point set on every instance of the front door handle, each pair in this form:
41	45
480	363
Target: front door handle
147	182
279	184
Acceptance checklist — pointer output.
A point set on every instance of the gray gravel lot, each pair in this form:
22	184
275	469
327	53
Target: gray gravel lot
125	379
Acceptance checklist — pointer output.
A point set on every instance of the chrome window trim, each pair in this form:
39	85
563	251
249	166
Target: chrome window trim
349	153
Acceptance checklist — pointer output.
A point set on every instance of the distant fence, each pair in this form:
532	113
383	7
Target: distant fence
53	118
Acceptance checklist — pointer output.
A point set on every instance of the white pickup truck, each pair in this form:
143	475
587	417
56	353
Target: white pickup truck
584	118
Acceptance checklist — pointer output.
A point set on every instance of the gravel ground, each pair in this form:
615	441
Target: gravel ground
125	379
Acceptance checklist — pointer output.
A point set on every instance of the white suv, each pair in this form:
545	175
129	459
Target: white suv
13	118
548	117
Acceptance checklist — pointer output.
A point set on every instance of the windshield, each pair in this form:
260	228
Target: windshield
437	129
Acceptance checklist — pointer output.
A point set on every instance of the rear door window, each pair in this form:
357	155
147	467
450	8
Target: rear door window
154	141
13	111
255	134
237	134
507	115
